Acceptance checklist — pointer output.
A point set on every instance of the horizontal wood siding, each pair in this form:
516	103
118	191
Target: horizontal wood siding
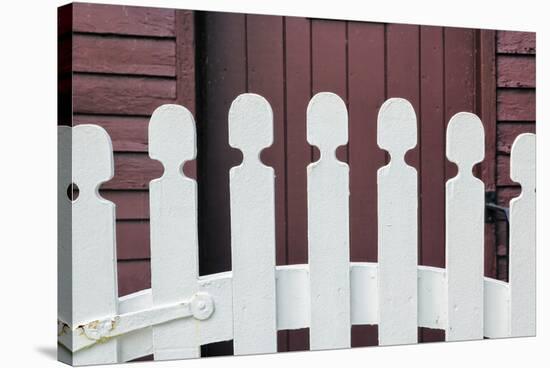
133	171
124	20
516	114
131	205
133	275
516	104
126	61
121	95
518	43
135	236
515	71
140	56
128	133
507	133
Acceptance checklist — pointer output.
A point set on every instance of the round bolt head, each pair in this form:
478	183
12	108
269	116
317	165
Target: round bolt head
202	306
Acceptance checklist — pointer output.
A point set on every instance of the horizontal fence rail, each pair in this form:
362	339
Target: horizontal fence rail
250	303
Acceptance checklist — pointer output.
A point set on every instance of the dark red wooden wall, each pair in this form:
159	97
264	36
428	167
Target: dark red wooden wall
118	63
287	60
126	61
515	70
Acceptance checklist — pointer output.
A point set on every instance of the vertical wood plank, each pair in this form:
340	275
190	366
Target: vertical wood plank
265	70
366	93
460	74
185	67
487	99
487	110
224	78
403	71
185	55
328	225
222	73
252	195
174	238
366	78
464	237
94	276
397	226
523	238
329	62
297	63
432	149
432	156
298	153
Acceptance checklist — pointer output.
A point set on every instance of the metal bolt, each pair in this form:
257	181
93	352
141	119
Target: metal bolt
202	306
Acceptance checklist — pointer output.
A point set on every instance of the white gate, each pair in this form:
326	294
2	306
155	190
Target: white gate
249	304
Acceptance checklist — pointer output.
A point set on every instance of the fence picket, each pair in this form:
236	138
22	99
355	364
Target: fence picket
183	311
328	224
174	239
464	214
523	238
94	274
397	226
64	236
252	203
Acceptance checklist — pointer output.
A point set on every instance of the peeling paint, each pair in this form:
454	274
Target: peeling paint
62	328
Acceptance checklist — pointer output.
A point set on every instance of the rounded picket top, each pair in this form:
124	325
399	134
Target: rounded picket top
172	137
250	123
327	121
397	130
465	140
92	161
523	160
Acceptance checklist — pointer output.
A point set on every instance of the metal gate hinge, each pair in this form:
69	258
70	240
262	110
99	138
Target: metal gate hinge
200	307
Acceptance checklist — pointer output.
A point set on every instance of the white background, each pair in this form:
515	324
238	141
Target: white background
28	179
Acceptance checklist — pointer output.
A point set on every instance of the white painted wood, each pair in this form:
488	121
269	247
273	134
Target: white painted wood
328	224
496	306
293	297
364	293
252	302
252	203
174	239
397	226
135	344
432	301
64	231
523	237
219	327
94	276
200	306
464	236
293	304
139	343
293	284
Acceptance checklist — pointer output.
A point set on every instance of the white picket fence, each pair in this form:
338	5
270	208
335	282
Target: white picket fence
249	304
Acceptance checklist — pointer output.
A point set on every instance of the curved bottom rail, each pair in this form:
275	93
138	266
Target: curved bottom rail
293	305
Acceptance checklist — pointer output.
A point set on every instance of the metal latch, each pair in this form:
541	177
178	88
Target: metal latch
492	208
